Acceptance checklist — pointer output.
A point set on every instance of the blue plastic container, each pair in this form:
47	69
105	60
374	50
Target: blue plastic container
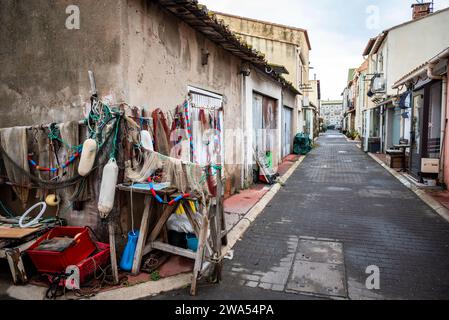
126	263
192	242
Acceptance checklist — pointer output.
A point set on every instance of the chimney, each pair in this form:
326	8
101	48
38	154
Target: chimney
422	9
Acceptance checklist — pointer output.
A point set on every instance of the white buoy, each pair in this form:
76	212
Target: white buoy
107	190
52	200
146	140
87	159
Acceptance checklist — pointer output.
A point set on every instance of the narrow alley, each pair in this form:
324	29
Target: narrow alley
368	218
232	151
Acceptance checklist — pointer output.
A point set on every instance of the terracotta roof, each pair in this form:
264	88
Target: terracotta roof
201	19
270	23
369	46
363	66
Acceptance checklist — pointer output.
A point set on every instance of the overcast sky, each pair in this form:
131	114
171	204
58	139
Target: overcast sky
338	30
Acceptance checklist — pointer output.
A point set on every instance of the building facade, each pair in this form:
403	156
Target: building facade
287	50
151	54
390	55
332	113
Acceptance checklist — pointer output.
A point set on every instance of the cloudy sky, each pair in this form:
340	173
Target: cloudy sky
338	30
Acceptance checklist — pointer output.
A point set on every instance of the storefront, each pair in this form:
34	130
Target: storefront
372	130
426	126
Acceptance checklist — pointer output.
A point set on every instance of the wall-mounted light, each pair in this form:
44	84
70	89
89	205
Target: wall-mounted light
245	69
204	56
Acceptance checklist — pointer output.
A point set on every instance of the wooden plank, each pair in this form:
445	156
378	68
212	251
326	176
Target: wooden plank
172	249
191	217
163	192
23	247
113	251
160	224
16	233
16	266
142	235
220	211
199	254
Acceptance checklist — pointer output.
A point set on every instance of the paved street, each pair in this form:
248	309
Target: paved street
340	193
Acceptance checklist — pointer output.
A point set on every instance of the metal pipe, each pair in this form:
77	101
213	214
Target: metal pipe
443	128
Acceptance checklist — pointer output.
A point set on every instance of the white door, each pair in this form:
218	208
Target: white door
367	116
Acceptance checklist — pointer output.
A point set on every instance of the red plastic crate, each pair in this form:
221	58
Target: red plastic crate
89	266
57	262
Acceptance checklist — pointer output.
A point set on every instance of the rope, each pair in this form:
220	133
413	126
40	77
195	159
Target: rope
5	209
55	134
132	207
54	185
114	142
189	128
57	168
160	200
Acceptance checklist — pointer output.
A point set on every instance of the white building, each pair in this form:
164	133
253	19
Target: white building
391	55
332	112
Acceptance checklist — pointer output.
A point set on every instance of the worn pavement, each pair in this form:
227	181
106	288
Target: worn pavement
338	193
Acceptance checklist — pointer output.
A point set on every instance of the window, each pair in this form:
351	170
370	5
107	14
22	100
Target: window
380	66
211	102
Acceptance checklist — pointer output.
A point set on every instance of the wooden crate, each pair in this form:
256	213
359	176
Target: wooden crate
394	161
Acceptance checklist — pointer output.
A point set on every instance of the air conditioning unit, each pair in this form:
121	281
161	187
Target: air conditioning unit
379	84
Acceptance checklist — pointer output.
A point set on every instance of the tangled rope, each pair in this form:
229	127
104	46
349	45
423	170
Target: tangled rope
55	185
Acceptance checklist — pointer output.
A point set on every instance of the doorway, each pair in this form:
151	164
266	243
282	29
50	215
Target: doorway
426	126
287	117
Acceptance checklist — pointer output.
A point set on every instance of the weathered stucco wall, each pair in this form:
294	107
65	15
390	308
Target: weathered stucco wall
429	34
446	140
163	57
44	65
277	42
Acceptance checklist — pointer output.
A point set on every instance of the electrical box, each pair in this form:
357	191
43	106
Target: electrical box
430	165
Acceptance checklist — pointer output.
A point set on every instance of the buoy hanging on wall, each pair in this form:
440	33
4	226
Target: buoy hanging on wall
87	159
107	190
146	140
52	200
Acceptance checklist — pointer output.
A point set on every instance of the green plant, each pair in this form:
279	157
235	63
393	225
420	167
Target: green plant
155	276
353	134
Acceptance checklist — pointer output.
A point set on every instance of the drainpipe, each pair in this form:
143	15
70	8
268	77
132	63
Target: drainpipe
431	75
243	111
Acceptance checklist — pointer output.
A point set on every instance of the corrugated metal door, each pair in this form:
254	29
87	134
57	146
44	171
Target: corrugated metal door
287	116
257	122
